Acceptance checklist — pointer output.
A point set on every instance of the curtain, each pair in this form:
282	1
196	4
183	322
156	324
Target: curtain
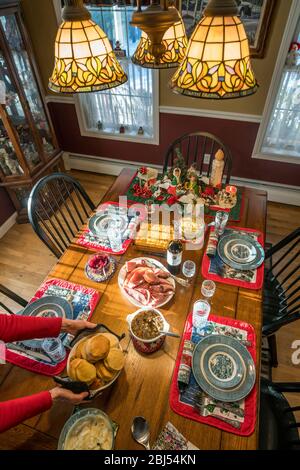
283	132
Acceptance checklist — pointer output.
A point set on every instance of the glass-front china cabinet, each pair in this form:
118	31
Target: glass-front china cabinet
28	147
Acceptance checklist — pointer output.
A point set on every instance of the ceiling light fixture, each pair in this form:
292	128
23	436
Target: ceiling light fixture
217	63
84	59
155	20
175	43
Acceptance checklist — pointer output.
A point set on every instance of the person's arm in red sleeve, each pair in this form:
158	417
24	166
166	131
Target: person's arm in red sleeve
18	327
14	412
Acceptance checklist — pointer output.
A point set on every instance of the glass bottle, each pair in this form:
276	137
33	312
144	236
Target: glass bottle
174	256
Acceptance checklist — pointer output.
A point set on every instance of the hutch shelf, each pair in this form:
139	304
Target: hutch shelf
28	146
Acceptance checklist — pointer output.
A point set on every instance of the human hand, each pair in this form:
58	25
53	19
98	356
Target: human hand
62	394
75	326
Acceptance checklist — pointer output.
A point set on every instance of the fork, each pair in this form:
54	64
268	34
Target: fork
179	280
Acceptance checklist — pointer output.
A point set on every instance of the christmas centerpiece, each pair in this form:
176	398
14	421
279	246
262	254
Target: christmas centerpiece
184	185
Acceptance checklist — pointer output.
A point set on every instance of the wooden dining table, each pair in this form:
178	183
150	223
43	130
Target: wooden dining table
143	387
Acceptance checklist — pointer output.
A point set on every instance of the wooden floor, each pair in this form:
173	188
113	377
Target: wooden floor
25	261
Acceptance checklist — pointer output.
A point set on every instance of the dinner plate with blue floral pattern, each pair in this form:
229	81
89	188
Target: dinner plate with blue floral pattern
223	368
241	252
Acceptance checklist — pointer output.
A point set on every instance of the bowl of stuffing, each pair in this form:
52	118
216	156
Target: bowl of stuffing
147	327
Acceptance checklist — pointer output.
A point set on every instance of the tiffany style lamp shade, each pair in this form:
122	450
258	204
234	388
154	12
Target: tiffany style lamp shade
84	59
217	62
175	43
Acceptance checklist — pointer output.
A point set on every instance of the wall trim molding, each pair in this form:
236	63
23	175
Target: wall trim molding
69	99
210	114
285	194
8	224
175	110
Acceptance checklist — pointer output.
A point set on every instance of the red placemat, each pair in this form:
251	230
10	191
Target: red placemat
188	410
89	240
212	268
84	301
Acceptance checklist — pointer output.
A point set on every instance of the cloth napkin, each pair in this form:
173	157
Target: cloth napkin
171	439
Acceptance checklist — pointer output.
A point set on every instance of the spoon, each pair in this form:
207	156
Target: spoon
140	431
169	333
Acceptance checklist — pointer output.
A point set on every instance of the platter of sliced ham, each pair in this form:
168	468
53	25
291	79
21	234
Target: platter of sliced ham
145	282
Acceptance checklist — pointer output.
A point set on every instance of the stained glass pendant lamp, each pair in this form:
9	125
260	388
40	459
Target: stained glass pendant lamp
174	42
155	20
217	63
84	60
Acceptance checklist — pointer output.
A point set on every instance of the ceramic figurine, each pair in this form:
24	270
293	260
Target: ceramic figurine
192	185
99	125
176	177
122	129
217	169
192	170
141	131
293	58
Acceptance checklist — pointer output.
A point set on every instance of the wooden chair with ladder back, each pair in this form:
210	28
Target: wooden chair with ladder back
58	206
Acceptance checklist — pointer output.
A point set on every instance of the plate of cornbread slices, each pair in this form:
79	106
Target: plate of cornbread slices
96	360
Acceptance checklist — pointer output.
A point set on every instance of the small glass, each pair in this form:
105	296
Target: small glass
221	220
189	268
115	239
201	311
54	348
208	289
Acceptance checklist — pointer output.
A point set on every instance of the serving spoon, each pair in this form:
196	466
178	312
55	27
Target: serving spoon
169	333
140	431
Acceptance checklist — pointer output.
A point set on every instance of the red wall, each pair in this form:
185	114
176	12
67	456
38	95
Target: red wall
239	136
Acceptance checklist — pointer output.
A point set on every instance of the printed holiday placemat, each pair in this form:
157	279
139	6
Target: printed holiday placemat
215	269
107	213
83	300
237	418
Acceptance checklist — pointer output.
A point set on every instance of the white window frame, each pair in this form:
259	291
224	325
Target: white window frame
274	87
141	139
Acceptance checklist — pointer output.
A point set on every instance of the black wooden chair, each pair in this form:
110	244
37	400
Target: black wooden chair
58	206
281	304
199	148
278	428
8	294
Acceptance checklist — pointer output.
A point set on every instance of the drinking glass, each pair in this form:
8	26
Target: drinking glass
221	220
189	268
115	238
208	289
54	348
201	311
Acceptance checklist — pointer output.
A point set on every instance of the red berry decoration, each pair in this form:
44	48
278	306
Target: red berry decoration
143	170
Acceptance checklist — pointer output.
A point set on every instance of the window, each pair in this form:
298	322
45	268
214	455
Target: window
279	135
132	106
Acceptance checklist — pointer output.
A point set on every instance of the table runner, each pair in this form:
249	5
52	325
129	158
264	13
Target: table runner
237	418
216	270
84	301
234	214
88	240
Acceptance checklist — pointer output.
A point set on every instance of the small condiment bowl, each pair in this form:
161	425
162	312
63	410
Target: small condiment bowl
147	346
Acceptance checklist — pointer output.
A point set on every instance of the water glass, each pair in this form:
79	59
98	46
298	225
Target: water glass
54	348
208	289
115	239
201	311
221	220
189	268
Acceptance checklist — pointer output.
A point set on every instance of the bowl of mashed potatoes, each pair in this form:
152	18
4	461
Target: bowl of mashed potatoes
88	429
